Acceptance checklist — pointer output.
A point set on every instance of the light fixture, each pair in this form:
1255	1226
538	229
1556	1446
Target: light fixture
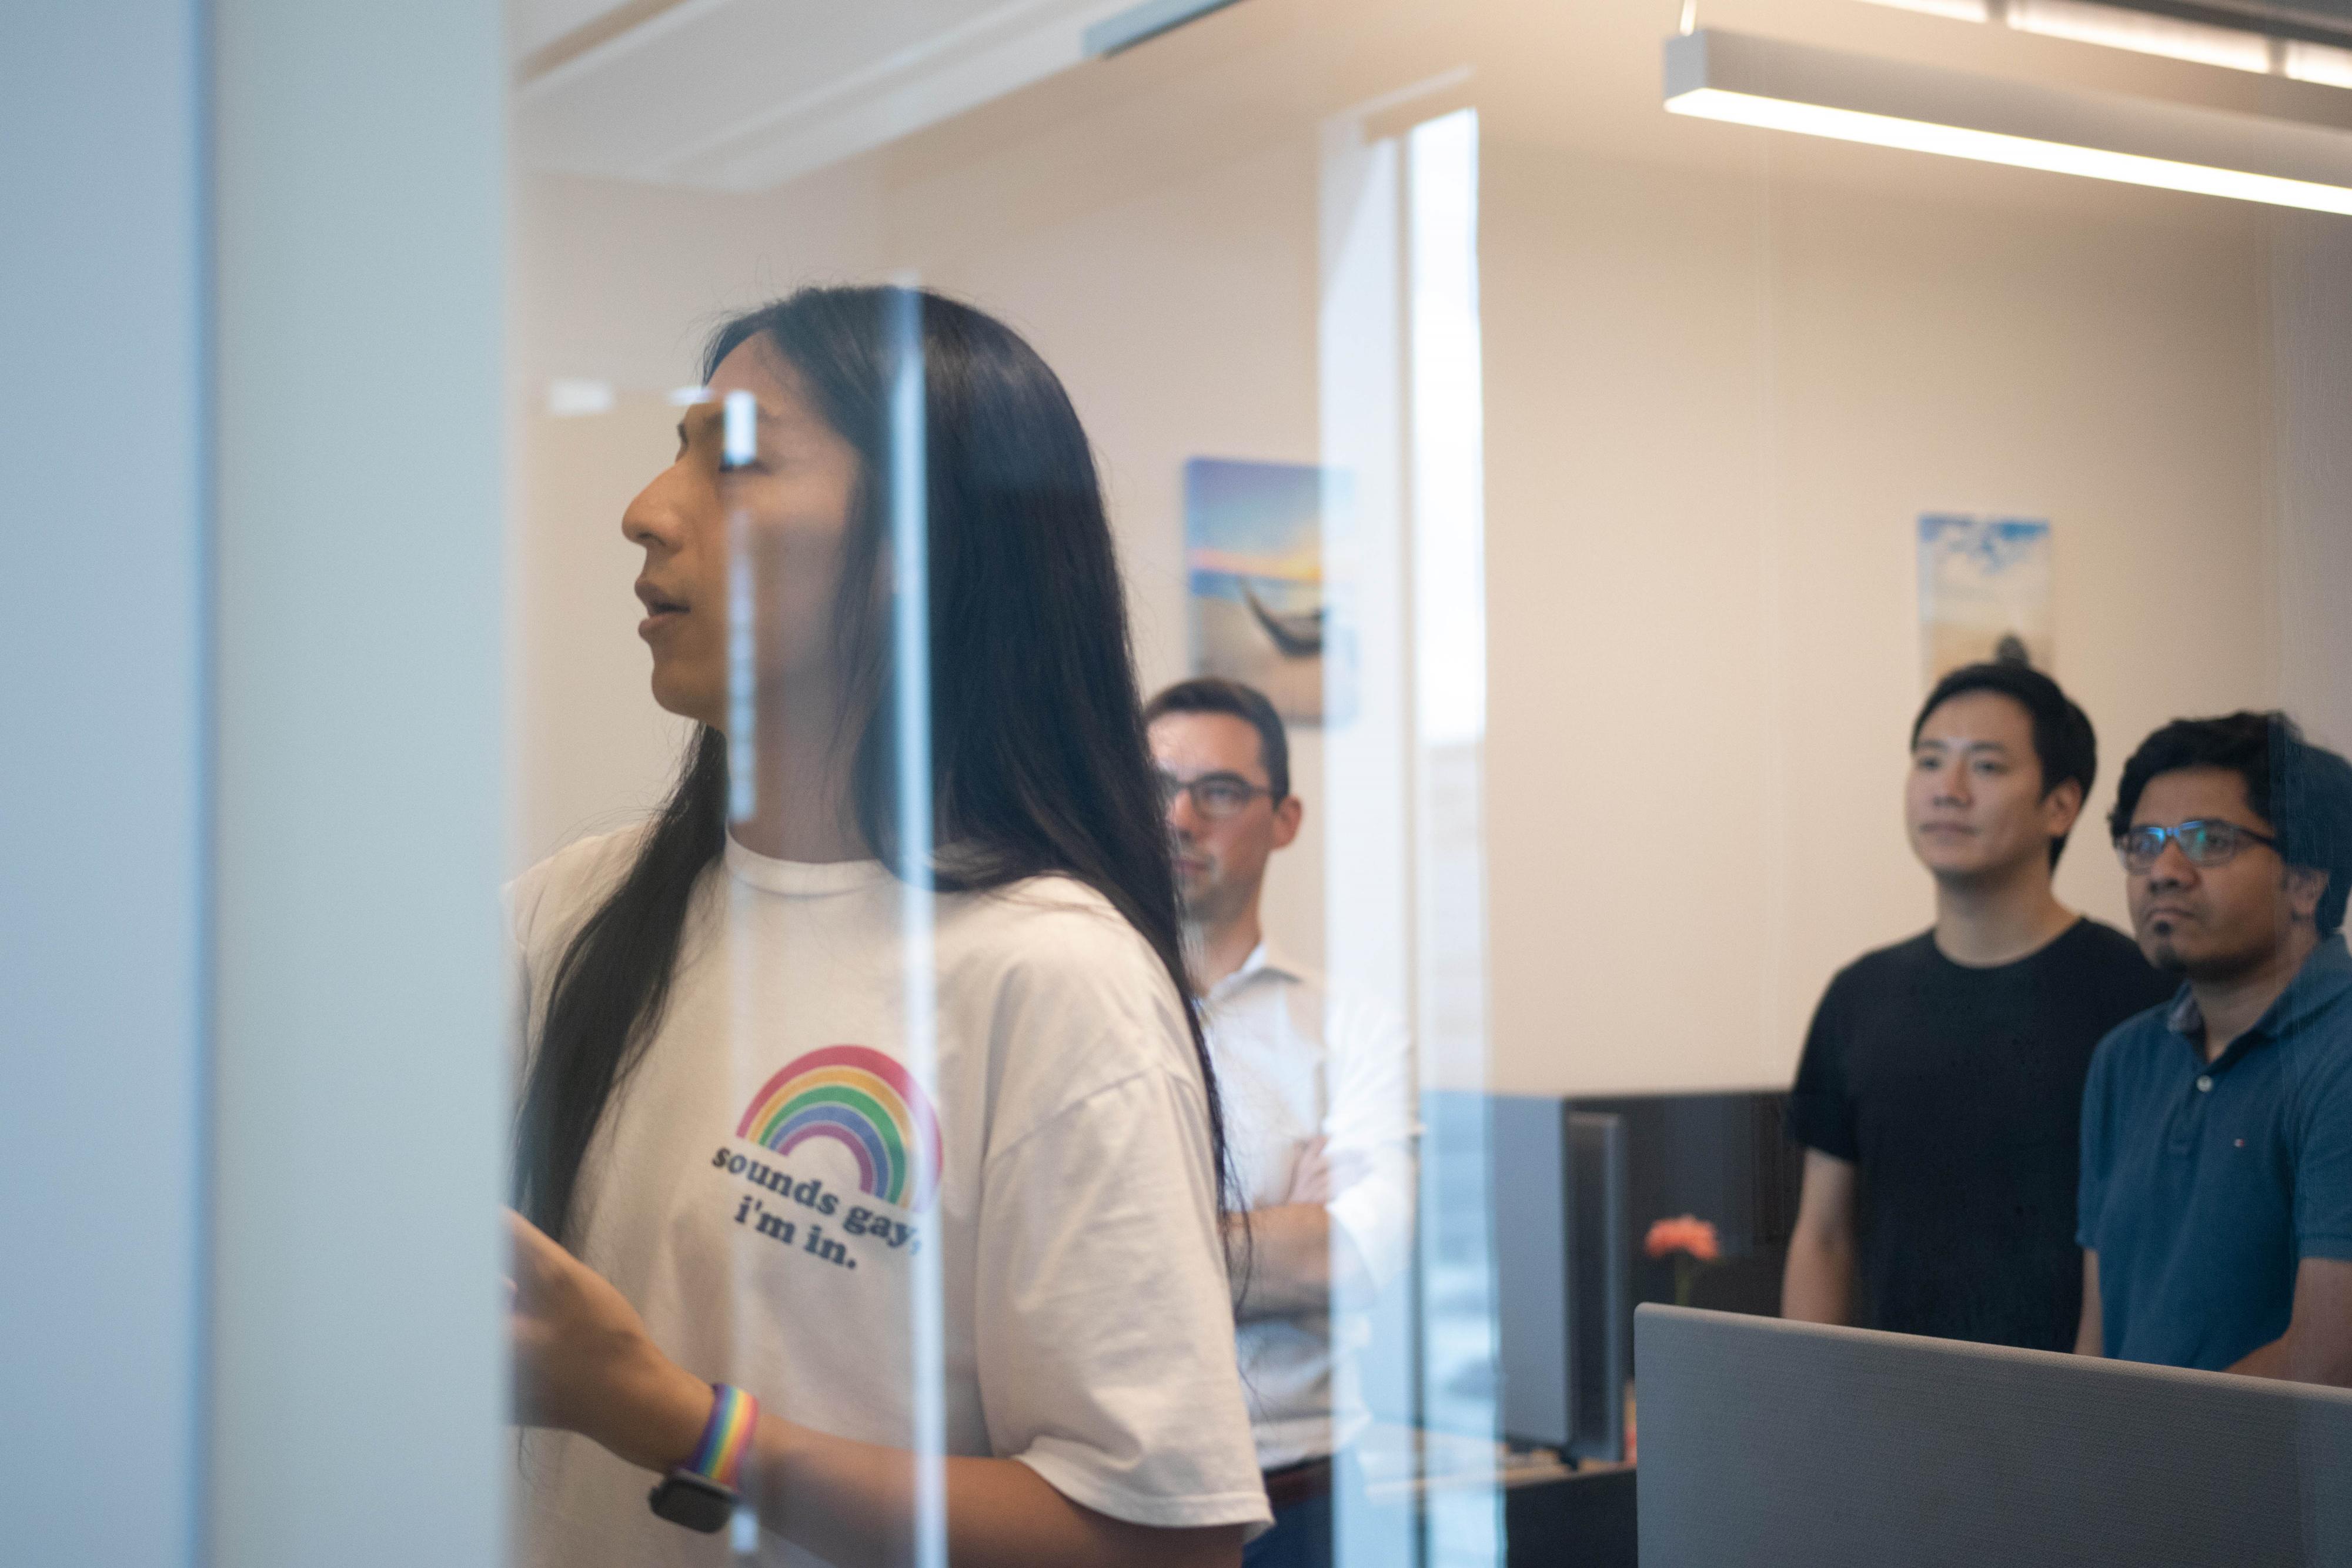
2241	39
1141	23
1752	80
2110	27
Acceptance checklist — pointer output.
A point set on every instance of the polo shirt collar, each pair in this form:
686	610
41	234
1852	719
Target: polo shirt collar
2323	978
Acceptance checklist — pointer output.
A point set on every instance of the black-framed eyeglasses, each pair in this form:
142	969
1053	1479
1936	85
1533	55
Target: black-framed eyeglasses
1215	796
2203	840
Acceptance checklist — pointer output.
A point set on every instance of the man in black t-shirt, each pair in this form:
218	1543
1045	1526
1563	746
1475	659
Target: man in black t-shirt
1940	1095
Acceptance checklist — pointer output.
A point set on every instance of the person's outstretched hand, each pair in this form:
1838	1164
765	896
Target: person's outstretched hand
583	1362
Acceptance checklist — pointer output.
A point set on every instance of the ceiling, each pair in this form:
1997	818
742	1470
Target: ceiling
745	95
740	95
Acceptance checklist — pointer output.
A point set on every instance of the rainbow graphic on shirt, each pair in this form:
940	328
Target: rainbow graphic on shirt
864	1101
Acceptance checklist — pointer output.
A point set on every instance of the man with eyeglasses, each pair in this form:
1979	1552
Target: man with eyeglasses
2216	1206
1317	1087
1939	1096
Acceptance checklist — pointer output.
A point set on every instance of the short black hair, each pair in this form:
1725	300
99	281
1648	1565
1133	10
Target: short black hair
2304	791
2063	741
1214	693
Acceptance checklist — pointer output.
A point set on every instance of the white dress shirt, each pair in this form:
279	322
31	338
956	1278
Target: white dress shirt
1295	1061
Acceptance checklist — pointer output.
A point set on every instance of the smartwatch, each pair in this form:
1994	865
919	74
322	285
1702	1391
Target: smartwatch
700	1493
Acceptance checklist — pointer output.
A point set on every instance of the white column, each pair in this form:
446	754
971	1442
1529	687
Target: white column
359	1036
1368	930
1367	895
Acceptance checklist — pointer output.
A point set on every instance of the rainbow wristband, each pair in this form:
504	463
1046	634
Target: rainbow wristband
727	1436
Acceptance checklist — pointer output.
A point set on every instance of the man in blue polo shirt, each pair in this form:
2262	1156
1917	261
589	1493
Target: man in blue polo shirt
2216	1205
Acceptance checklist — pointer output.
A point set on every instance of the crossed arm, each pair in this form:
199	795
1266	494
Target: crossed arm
1294	1259
1298	1259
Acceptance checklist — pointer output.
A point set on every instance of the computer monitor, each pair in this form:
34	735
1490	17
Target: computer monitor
1725	1158
1561	1284
1599	1287
1782	1445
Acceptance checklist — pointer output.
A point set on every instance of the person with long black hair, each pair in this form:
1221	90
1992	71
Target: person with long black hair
834	1146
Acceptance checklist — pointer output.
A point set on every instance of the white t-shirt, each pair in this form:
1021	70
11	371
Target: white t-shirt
1296	1060
763	1179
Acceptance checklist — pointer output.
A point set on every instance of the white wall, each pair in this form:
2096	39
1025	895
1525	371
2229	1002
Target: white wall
2310	320
621	285
1729	397
621	282
1183	319
1725	373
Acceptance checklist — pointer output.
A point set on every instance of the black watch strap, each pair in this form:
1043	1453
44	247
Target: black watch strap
694	1500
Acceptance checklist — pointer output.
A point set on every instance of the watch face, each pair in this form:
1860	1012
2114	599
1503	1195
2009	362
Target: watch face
695	1501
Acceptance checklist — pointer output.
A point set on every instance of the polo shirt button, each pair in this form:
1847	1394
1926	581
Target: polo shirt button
2205	1083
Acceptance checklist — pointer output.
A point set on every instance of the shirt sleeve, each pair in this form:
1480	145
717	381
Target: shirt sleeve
2090	1189
547	906
533	953
1821	1108
526	1001
1370	1127
1103	1323
2322	1161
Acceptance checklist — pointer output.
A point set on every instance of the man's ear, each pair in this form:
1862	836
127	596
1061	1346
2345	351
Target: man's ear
1287	815
2305	886
2062	808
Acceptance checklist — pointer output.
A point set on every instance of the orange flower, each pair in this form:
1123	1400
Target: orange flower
1684	1233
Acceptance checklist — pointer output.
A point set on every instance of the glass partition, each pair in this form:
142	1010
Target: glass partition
1441	782
1555	461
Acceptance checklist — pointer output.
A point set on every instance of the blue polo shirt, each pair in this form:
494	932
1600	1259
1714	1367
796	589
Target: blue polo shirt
2205	1184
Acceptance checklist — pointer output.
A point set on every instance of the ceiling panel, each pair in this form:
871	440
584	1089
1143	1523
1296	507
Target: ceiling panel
743	94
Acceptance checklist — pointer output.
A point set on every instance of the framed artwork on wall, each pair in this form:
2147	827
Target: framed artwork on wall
1984	592
1258	608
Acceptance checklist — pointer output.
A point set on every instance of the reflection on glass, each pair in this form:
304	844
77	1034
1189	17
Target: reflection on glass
1461	1362
910	704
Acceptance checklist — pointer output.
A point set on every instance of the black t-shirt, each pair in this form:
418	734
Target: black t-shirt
1956	1092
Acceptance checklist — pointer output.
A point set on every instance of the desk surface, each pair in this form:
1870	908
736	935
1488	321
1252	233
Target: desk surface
1400	1462
1554	1515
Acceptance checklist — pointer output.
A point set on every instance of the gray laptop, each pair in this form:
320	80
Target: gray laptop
1765	1443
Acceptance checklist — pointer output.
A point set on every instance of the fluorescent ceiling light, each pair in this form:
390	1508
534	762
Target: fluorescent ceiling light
2115	24
1958	10
571	399
2093	23
1749	80
2319	63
